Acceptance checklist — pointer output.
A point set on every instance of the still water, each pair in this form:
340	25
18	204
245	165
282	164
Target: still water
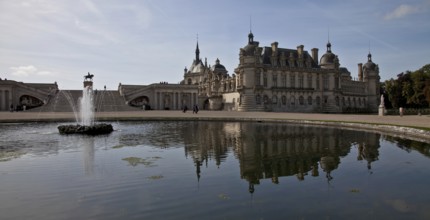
211	170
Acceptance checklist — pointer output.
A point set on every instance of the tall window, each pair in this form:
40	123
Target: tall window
265	80
318	82
274	99
325	82
258	99
309	81
309	100
301	81
258	79
284	80
275	80
292	80
336	82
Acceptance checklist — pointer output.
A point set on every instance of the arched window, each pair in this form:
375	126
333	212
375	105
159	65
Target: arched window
284	100
265	99
190	81
309	100
274	99
258	99
318	99
301	100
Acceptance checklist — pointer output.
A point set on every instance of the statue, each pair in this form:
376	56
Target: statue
381	111
89	76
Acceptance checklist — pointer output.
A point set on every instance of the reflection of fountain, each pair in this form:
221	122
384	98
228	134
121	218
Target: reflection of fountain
86	108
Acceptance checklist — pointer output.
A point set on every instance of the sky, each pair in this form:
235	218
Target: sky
140	42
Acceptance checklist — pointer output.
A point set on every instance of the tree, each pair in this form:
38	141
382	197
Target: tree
410	89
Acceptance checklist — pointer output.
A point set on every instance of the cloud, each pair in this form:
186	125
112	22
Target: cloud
30	70
401	11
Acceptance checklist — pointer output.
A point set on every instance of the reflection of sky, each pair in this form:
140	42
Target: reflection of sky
62	174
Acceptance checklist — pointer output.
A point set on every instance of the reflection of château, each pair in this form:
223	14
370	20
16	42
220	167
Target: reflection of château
271	151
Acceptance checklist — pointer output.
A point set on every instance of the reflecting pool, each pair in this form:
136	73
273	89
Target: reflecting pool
211	170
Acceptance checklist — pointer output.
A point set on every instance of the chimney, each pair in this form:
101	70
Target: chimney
315	55
360	72
274	46
300	50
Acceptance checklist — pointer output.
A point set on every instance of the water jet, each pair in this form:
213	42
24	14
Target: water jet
86	124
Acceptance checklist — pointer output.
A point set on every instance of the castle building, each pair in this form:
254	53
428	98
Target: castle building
266	79
286	80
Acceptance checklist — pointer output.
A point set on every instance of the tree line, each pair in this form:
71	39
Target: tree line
411	89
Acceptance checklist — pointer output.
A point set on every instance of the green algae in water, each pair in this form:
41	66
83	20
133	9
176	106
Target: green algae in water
147	162
354	190
118	146
223	196
155	177
9	155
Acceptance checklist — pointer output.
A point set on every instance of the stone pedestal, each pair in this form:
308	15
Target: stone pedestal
88	83
381	111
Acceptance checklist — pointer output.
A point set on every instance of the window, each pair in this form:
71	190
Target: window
265	80
293	100
309	100
284	100
325	82
301	79
189	81
336	83
309	81
265	99
318	82
301	100
258	79
258	99
274	99
292	80
284	80
318	101
275	80
337	101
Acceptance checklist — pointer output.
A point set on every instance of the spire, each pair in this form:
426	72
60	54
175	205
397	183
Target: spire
369	56
250	35
197	50
328	46
328	40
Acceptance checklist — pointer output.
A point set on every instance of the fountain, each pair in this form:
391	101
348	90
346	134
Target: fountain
86	110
